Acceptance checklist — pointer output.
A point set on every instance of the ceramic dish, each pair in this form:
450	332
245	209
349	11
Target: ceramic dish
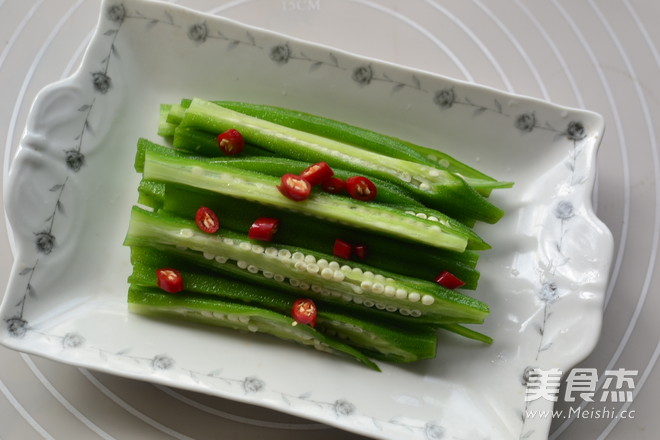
72	184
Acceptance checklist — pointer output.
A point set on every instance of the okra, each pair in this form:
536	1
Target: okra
277	167
257	187
402	344
439	189
413	260
313	272
202	309
363	138
151	193
351	134
165	129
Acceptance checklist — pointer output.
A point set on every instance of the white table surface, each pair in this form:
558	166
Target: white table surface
603	55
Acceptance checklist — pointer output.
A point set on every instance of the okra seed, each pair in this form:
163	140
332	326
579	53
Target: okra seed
322	262
368	274
444	163
252	268
391	308
278	277
271	252
300	265
346	268
284	253
357	289
232	318
433	218
327	273
242	264
207	313
411	212
208	255
378	288
379	278
310	259
415	313
380	306
404	312
245	245
356	271
368	303
389	291
186	233
424	186
298	256
253	328
316	288
257	249
303	286
420	215
337	275
333	265
268	274
401	293
414	297
434	173
427	300
294	282
218	315
244	319
357	300
347	297
312	268
220	259
366	285
228	241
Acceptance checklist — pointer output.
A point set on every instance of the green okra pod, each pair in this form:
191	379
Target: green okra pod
318	273
439	189
202	309
394	343
257	187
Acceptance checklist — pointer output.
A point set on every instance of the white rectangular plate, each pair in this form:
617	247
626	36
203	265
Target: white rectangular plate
72	184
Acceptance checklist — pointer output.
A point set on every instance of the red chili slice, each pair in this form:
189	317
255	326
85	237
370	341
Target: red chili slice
333	185
317	173
361	188
360	251
294	187
169	280
449	280
304	311
231	142
263	229
342	249
206	220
